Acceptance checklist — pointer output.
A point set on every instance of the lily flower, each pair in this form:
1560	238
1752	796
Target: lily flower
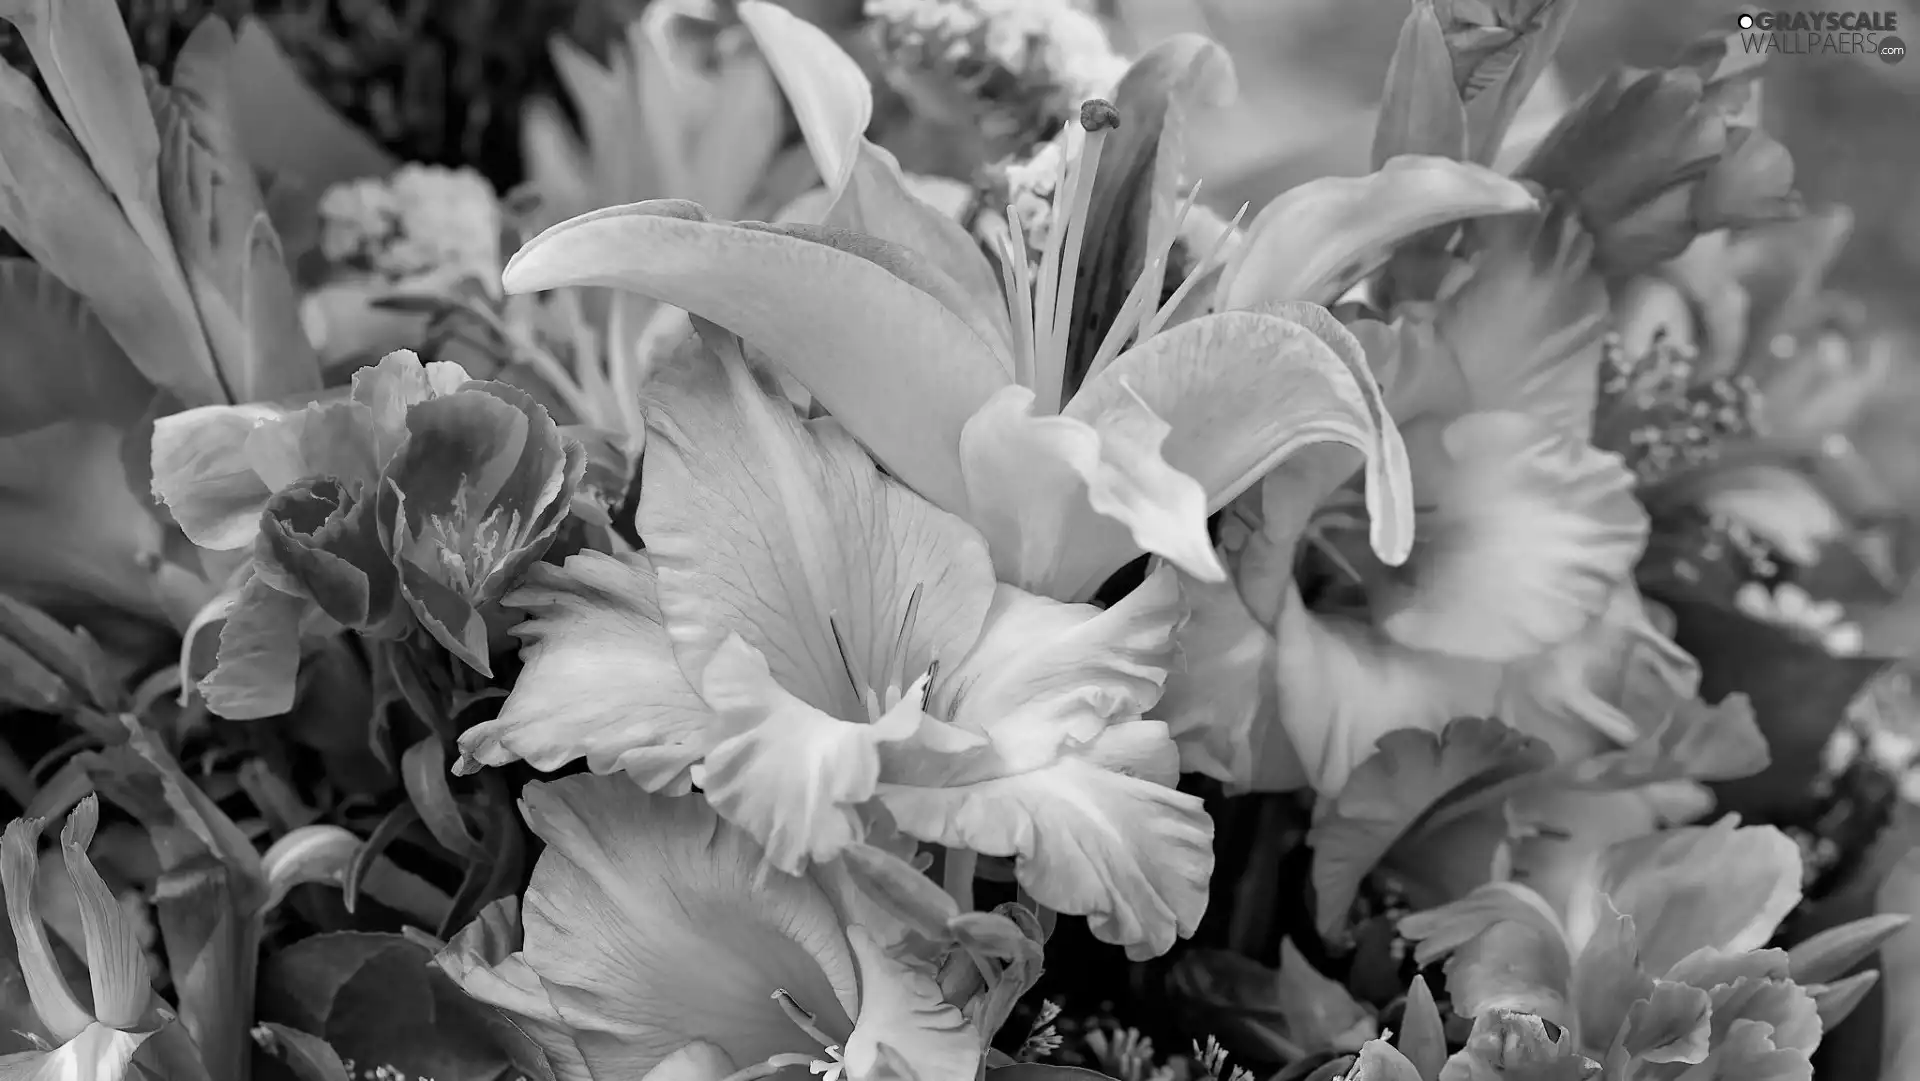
96	1043
812	644
419	499
654	945
996	394
1649	980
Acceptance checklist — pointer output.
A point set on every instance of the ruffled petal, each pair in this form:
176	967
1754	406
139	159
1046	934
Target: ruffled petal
1240	393
1722	886
599	680
785	772
202	473
1214	701
395	385
1340	685
332	439
1044	671
786	534
1534	533
1607	686
1090	834
886	357
484	959
649	924
905	1021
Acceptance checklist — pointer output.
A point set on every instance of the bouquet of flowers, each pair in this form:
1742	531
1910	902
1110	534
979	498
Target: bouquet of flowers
854	569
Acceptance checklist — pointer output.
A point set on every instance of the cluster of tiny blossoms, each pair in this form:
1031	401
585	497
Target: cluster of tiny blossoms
1655	415
1028	62
422	220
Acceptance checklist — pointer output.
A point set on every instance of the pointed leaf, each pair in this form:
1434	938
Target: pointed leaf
286	128
1421	112
1833	953
1836	1000
1410	771
309	1057
1317	240
259	660
1423	1038
60	212
57	360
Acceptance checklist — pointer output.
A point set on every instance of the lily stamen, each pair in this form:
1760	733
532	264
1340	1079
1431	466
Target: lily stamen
1145	294
1060	264
804	1021
1208	262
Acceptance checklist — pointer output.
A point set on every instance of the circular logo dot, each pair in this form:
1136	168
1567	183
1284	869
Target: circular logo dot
1892	50
1746	22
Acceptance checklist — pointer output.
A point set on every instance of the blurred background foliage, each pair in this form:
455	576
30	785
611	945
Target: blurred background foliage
443	81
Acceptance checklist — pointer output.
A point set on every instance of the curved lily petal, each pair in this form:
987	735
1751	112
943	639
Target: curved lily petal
647	925
1138	181
1566	829
600	681
1240	392
786	534
1316	240
1534	533
1089	834
787	773
829	93
866	190
887	358
1722	886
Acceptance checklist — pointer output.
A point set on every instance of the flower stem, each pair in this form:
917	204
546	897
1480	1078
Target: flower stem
957	874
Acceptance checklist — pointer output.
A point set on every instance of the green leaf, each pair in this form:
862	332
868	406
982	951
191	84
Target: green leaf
910	896
58	210
1836	1000
1421	112
1315	241
424	769
81	49
379	1001
309	1057
286	128
1409	773
231	255
1834	952
209	890
1423	1037
57	360
1319	1012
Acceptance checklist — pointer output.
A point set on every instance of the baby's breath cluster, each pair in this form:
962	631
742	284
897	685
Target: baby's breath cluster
1020	67
424	221
1656	415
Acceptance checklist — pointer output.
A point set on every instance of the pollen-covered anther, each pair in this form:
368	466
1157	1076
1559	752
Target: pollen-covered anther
1099	114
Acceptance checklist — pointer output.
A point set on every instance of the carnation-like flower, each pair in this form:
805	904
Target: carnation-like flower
96	1042
653	944
811	644
425	226
1658	962
422	491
